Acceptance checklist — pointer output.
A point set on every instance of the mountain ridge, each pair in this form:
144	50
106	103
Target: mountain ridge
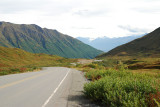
105	43
147	45
33	38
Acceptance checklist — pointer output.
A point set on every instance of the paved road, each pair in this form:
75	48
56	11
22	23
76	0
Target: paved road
49	87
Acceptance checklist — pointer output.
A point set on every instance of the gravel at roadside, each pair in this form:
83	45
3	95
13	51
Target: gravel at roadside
76	97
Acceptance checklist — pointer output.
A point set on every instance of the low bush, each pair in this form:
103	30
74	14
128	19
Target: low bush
122	88
14	70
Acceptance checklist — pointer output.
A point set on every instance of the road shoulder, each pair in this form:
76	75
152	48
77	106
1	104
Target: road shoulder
76	97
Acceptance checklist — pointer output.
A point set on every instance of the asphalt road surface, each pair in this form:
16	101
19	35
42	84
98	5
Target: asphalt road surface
50	87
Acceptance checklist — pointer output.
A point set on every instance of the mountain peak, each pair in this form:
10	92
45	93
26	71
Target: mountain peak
106	43
4	23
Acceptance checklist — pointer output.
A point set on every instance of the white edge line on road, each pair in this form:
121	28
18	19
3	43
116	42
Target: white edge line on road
46	102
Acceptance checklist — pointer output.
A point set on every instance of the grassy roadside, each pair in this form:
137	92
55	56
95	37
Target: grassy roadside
113	83
13	60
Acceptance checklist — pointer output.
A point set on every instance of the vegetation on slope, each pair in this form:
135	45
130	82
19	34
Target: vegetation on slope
115	84
121	88
35	39
14	60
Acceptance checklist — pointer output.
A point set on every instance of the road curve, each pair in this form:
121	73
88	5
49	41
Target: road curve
49	87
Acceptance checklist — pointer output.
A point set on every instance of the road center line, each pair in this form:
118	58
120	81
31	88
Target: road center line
46	102
20	81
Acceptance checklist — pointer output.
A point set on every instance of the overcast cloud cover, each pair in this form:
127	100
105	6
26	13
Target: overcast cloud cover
85	18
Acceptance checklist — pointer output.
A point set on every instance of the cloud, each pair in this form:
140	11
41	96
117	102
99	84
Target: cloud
155	10
133	29
90	13
147	6
87	18
50	7
14	6
81	12
85	28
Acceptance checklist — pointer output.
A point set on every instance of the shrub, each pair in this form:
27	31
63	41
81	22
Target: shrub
23	69
15	70
121	88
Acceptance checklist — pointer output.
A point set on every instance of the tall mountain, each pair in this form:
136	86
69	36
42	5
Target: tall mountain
106	44
35	39
148	45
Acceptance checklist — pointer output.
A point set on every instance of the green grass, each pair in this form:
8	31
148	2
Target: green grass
14	60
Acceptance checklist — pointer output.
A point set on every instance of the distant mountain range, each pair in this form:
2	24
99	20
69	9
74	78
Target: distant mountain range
106	44
148	45
33	38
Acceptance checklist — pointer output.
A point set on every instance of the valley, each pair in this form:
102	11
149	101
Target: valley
79	53
125	76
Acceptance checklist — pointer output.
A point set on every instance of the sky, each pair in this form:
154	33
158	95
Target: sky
85	18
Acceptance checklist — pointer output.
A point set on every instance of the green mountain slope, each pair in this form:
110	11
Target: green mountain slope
148	45
13	57
15	60
35	39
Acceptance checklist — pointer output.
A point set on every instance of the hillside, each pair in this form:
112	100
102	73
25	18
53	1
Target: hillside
18	57
35	39
105	43
148	45
16	60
